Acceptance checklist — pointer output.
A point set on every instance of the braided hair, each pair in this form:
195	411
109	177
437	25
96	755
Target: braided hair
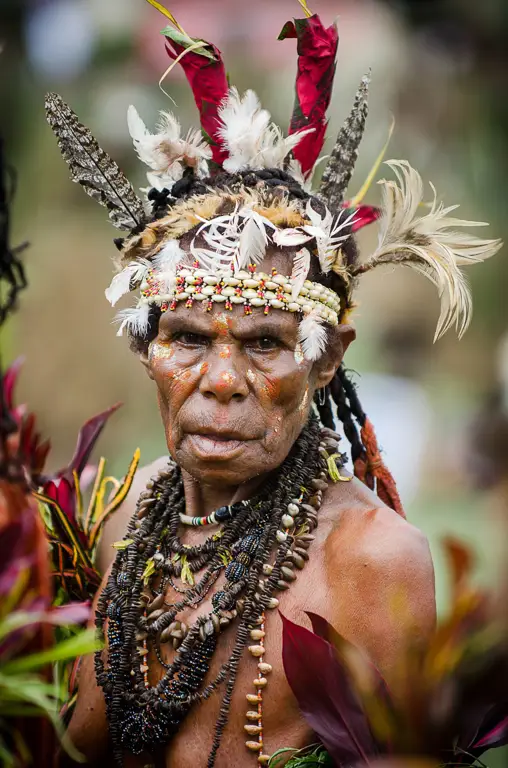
341	394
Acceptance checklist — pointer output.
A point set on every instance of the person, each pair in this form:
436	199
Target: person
246	283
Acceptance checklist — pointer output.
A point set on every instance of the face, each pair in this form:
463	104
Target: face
234	390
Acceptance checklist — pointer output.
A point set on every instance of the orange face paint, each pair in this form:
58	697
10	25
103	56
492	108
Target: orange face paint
225	353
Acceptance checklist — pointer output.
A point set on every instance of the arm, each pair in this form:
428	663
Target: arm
88	728
380	571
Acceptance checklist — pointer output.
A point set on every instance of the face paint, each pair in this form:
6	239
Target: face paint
299	356
158	351
227	377
251	376
225	353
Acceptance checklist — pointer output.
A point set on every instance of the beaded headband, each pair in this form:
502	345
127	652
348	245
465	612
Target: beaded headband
241	186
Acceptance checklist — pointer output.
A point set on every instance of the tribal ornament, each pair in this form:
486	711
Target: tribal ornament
241	187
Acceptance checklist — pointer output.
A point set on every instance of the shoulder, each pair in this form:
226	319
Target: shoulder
380	578
116	526
365	532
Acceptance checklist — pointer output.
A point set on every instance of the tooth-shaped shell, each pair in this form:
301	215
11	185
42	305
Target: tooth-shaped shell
252	698
260	682
256	650
252	730
254	746
257	634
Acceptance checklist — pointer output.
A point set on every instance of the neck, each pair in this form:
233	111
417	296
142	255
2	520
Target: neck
202	499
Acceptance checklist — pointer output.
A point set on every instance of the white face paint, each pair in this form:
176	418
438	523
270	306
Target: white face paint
299	356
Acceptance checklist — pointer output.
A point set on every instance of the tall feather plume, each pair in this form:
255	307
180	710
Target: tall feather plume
301	266
312	336
90	166
341	164
429	244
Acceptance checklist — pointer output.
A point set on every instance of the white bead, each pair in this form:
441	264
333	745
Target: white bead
210	280
280	279
287	521
237	300
276	303
218	297
181	296
267	569
229	292
293	509
234	281
199	296
271	286
281	537
293	306
250	283
256	650
248	293
273	603
258	302
243	275
208	290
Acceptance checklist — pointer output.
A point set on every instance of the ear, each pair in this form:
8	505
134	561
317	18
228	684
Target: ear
339	340
145	362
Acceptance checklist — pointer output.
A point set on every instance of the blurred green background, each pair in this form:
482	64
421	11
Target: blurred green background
438	67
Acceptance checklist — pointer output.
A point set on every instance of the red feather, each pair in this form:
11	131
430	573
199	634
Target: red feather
317	50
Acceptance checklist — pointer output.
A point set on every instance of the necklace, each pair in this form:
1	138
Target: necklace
220	515
259	549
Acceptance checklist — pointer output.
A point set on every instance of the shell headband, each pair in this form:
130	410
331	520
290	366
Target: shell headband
240	186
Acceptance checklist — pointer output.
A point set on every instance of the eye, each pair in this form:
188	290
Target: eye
189	339
265	344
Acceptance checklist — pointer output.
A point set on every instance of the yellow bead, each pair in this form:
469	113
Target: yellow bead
257	634
263	759
260	682
254	746
252	698
252	715
252	730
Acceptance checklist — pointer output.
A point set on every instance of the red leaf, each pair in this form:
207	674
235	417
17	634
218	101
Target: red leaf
323	690
497	736
87	438
10	379
317	50
209	84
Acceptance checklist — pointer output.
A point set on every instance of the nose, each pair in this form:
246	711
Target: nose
224	379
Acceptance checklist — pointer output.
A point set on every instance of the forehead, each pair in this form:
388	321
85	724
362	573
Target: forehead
235	321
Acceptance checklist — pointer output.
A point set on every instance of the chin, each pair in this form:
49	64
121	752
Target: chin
233	467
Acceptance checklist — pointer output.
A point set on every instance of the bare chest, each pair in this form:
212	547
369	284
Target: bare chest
260	718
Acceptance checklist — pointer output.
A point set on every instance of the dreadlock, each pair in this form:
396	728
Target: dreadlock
341	394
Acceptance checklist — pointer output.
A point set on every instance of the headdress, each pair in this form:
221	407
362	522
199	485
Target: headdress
240	185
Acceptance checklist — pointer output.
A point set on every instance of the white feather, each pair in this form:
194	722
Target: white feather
168	257
312	336
249	137
328	234
134	319
429	244
166	152
135	272
251	243
301	266
290	237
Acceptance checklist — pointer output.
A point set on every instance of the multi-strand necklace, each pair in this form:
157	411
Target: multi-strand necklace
259	548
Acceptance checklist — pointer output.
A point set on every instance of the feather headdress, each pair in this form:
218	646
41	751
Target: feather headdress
429	244
241	187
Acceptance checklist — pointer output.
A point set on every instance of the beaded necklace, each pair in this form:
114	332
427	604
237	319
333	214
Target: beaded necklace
280	521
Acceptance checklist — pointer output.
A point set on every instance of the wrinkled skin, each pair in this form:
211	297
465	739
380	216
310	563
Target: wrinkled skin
234	393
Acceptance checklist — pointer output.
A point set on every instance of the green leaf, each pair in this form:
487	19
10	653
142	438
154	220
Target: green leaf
149	570
79	645
186	576
123	544
185	41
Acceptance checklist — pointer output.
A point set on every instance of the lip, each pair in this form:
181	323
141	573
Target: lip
216	447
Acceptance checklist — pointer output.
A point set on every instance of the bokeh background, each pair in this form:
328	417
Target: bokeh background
439	67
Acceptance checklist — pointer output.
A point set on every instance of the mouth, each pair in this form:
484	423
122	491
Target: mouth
221	446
